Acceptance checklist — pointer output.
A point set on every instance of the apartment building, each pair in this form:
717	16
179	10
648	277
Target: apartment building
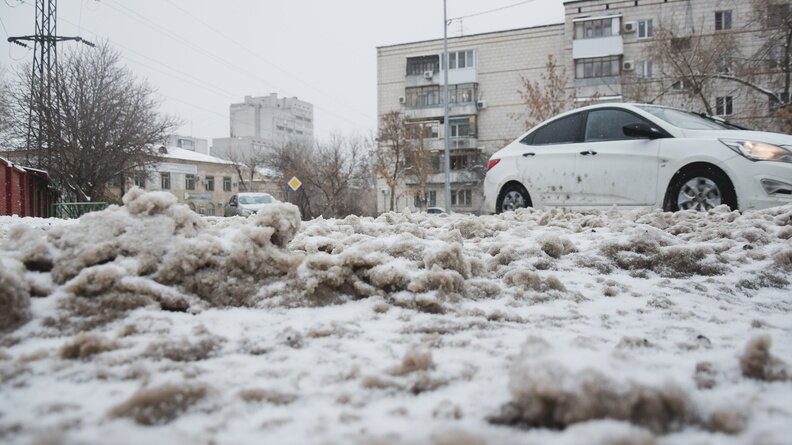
606	50
261	122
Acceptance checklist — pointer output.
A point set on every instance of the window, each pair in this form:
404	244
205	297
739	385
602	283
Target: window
565	130
140	180
590	29
724	65
460	59
723	106
189	182
427	130
459	162
679	85
775	57
776	14
598	67
210	183
680	43
723	20
460	128
644	28
165	181
187	144
775	104
417	200
432	198
606	125
461	197
417	66
645	68
226	183
432	95
436	163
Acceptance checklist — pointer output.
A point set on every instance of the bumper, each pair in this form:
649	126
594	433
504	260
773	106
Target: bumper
750	176
491	188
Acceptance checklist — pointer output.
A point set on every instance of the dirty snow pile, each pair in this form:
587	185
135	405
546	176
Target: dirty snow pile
146	323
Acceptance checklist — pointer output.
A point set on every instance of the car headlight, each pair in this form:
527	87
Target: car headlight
246	212
759	151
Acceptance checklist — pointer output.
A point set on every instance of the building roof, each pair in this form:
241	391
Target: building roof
451	39
189	155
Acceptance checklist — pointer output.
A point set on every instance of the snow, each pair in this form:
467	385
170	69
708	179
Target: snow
190	155
146	322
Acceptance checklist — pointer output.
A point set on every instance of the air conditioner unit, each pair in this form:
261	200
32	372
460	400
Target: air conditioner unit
630	27
481	104
428	74
401	100
628	65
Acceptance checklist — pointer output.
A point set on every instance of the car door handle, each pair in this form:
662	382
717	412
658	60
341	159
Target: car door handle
588	152
529	154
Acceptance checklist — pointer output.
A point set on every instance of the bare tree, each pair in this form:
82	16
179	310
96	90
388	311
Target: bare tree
101	123
395	146
247	163
334	175
5	112
420	161
697	63
548	96
692	61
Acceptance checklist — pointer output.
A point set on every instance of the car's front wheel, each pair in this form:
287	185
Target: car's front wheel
700	189
512	196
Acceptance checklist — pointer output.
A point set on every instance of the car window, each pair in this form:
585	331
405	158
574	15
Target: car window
232	201
606	125
255	199
686	120
566	130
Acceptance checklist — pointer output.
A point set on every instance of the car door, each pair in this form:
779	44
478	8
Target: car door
547	163
613	168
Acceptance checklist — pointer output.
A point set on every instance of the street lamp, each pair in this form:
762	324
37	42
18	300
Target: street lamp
446	128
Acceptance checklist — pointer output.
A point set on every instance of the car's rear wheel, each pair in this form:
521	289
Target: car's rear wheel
701	189
512	196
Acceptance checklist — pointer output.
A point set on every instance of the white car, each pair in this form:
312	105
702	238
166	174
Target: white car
246	204
640	156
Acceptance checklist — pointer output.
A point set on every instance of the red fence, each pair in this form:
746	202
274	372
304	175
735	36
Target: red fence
24	191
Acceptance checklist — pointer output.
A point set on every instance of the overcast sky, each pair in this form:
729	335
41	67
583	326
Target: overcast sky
201	56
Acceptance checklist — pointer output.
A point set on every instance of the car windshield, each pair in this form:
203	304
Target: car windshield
255	199
687	120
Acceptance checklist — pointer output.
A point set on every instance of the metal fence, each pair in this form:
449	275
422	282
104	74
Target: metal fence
68	210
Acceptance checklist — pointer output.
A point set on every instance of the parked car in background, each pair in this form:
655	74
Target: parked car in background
435	210
246	204
634	155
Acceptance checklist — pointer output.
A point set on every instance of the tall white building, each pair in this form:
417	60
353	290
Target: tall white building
267	121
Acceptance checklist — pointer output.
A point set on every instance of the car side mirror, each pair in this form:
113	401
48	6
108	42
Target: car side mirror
642	130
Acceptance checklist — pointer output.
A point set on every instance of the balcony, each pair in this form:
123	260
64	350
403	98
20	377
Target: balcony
598	47
438	144
436	111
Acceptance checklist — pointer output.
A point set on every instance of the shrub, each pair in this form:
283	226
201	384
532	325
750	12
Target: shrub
161	405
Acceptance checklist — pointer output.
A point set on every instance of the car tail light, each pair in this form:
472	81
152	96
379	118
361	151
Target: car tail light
492	163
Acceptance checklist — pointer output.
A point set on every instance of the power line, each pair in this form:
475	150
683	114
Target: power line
173	36
256	54
489	11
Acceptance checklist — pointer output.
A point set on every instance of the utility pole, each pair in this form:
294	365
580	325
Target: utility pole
44	77
446	126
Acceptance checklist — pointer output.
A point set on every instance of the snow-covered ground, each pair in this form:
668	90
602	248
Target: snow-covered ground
149	324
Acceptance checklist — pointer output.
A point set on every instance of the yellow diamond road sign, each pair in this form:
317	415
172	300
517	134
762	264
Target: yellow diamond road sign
294	183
